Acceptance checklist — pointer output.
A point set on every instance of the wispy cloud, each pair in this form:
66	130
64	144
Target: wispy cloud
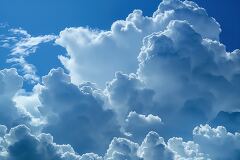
21	45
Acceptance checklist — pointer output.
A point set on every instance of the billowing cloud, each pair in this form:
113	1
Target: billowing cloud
218	143
208	143
138	125
76	113
10	84
196	78
20	144
127	93
95	56
182	73
121	148
136	92
154	147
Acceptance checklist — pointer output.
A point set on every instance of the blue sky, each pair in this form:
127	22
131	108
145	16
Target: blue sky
119	80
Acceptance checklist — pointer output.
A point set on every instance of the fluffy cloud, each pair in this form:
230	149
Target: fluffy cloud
182	75
76	113
154	147
20	144
174	75
10	84
138	125
196	78
29	101
95	56
165	58
128	93
121	149
218	143
208	143
199	76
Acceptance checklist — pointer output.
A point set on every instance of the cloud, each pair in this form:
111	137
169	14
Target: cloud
180	72
196	77
20	144
138	125
208	143
76	113
95	55
29	101
127	93
10	84
178	82
154	147
218	143
21	45
121	148
164	75
230	120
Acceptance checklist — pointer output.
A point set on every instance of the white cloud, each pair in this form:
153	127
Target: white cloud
29	101
182	73
20	144
138	125
153	147
209	143
218	143
121	149
78	113
95	56
10	84
183	77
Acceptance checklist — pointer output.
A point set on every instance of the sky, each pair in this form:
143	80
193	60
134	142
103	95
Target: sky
119	80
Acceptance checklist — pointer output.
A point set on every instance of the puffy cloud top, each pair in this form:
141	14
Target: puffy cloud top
217	142
10	84
76	113
135	92
89	49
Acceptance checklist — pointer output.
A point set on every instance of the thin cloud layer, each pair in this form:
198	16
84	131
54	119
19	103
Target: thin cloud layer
22	45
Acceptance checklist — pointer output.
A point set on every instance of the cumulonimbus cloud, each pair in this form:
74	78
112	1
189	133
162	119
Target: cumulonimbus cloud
138	92
95	56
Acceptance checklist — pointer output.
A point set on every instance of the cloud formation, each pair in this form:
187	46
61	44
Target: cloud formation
10	84
89	49
138	125
140	91
76	113
213	141
19	143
